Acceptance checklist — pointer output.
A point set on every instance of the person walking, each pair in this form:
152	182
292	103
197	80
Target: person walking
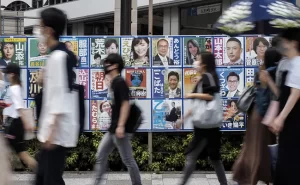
206	142
59	121
16	122
254	162
286	124
119	133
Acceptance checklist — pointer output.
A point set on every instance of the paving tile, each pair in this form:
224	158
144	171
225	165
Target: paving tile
157	176
157	182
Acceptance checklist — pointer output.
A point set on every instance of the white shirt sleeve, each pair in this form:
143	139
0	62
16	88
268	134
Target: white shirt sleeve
16	97
293	77
57	84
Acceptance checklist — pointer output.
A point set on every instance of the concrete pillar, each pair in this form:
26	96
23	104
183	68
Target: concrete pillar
134	15
117	18
297	2
171	21
78	28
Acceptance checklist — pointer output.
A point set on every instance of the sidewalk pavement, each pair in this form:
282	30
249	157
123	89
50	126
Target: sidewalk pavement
86	178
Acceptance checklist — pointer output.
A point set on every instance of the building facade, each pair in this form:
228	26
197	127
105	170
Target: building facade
96	17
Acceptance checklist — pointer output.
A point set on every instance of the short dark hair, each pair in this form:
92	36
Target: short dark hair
55	19
233	74
276	41
233	39
258	40
292	34
97	55
173	73
115	58
2	47
109	42
272	57
68	42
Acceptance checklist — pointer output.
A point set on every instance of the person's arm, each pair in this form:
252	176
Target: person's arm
207	89
201	96
124	113
265	77
292	100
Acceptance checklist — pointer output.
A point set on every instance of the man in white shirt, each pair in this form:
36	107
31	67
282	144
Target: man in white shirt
161	59
59	120
233	81
234	51
173	90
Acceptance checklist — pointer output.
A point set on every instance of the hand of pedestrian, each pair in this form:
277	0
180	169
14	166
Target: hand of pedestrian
277	126
48	145
29	127
120	132
188	95
264	76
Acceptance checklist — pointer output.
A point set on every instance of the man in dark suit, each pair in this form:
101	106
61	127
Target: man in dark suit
173	91
8	51
233	81
161	59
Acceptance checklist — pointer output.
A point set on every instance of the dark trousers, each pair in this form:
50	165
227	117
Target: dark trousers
51	166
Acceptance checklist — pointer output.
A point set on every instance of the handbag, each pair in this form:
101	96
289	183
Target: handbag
207	114
271	114
246	99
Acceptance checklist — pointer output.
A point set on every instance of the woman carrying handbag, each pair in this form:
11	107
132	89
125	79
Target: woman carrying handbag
207	136
16	121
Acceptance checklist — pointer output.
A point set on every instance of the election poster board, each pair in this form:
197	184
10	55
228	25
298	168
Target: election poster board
157	69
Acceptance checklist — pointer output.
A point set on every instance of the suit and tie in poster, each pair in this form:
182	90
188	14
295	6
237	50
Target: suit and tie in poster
229	51
101	47
166	52
193	46
231	82
255	50
13	50
172	85
79	46
38	53
165	113
233	119
136	51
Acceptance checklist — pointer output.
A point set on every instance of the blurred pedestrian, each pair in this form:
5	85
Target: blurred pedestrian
254	162
59	121
16	122
120	132
286	124
206	141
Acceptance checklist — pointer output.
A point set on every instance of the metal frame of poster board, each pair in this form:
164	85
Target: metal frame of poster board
178	49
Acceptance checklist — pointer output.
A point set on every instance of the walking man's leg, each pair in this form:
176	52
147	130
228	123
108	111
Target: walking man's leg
125	150
106	146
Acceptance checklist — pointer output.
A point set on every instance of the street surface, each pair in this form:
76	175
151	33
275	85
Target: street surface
86	178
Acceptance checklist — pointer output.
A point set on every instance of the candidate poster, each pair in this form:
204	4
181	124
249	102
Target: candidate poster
101	47
136	51
100	84
172	84
38	53
255	48
137	82
188	106
229	51
82	78
231	82
32	105
233	119
191	78
145	106
250	75
13	50
158	83
34	87
166	52
101	111
165	113
193	46
79	46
